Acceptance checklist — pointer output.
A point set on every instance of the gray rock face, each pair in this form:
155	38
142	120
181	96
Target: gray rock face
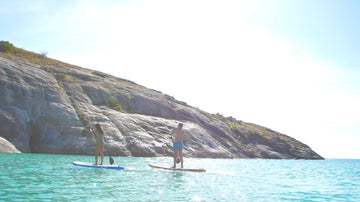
49	110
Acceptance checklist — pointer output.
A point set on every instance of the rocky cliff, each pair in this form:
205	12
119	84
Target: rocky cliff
47	106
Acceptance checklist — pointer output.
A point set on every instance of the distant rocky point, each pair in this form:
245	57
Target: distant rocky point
48	106
7	147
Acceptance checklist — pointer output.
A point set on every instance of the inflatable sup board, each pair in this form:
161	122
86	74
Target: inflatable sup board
89	165
178	169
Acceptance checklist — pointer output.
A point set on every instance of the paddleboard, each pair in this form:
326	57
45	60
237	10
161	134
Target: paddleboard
89	165
178	169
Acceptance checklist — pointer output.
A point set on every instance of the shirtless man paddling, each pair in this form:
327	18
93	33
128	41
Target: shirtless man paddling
178	144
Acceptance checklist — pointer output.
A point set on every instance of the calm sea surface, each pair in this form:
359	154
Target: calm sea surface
39	177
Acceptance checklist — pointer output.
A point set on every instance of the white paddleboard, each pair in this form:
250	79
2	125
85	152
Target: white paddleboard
89	165
178	169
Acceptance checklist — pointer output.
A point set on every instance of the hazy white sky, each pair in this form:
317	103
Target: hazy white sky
292	66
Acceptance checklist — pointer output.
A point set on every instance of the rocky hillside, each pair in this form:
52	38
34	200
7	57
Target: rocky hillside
47	106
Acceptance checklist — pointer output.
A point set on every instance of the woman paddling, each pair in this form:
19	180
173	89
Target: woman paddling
99	147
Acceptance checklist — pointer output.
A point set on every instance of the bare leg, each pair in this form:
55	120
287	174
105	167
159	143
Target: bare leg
181	158
101	154
96	155
175	156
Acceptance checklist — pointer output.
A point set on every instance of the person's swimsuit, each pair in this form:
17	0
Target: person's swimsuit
99	138
177	146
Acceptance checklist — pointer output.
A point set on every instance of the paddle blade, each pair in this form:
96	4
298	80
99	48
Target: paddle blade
111	160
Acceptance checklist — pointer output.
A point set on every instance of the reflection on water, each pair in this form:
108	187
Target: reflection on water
53	177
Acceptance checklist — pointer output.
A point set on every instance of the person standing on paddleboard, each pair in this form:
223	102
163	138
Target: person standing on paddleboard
178	144
99	147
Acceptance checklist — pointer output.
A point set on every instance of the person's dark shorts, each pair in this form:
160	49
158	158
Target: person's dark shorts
177	146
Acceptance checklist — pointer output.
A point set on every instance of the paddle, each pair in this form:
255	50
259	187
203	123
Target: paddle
111	160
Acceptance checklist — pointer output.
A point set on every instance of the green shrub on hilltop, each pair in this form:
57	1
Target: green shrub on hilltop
232	126
6	47
114	104
219	116
66	77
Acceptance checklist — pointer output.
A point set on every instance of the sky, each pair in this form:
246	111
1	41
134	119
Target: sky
291	66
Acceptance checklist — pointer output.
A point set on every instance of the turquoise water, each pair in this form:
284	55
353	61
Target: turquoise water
39	177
